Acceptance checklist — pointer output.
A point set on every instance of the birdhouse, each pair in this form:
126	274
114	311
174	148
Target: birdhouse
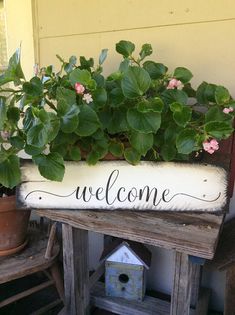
126	263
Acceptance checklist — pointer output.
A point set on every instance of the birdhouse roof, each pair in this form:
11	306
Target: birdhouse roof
140	251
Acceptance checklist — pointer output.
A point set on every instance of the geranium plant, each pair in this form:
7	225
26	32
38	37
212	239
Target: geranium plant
140	111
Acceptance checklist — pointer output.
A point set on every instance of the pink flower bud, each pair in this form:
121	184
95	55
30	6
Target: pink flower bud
174	83
79	88
211	146
228	110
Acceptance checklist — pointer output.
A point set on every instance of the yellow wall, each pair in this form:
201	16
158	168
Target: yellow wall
19	31
198	34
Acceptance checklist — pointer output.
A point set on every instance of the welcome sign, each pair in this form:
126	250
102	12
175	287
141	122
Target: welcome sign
111	185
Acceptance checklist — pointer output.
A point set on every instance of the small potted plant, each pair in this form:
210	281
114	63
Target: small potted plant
140	111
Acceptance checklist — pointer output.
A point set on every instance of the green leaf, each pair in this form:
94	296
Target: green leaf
132	156
68	116
86	63
3	111
168	152
136	81
116	97
222	95
219	129
153	105
37	135
17	142
103	56
33	88
93	157
14	72
146	50
32	150
10	171
141	142
171	96
116	148
13	114
66	95
88	121
53	126
99	97
82	77
183	74
125	48
155	70
144	122
186	141
124	65
50	166
117	121
206	93
75	154
215	114
181	114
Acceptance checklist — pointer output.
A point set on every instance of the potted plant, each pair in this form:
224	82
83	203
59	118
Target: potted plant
140	111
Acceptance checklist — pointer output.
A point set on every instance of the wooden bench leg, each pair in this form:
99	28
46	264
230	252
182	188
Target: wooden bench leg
229	303
56	275
76	270
181	292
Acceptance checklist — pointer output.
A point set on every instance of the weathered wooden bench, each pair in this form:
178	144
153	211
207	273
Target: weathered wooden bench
40	255
187	234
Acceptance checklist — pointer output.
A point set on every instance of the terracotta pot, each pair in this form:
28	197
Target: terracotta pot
13	226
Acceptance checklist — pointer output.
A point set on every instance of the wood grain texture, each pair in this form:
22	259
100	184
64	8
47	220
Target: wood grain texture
149	306
182	285
28	261
194	234
76	271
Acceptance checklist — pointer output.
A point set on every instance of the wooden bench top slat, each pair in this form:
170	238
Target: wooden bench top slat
192	233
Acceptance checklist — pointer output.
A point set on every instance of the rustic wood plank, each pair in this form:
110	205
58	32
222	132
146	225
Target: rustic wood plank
121	306
181	292
51	241
191	233
229	303
196	280
148	306
203	301
76	271
28	261
111	185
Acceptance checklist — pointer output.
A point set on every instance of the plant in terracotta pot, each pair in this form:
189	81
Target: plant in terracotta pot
140	111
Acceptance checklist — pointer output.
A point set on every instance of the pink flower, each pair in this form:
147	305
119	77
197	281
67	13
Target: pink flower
174	83
87	98
228	110
214	144
211	146
79	88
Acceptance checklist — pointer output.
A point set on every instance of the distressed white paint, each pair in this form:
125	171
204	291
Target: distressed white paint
125	256
118	185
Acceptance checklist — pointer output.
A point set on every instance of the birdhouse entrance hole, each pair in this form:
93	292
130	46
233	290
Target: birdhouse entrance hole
123	278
